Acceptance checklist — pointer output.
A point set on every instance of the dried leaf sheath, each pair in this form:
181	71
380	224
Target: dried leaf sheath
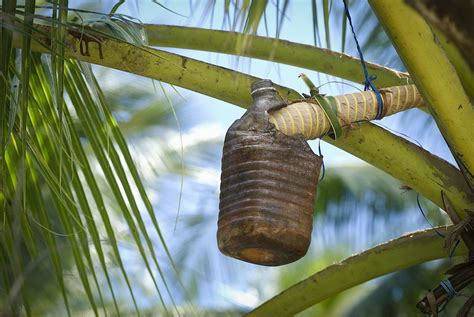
307	118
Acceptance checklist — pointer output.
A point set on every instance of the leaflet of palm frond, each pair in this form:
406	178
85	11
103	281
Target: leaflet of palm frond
63	195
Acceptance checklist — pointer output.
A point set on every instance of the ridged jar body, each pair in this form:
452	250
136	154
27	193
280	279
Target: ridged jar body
268	187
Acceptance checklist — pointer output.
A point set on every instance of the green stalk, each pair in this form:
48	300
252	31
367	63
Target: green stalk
434	76
392	256
465	72
285	52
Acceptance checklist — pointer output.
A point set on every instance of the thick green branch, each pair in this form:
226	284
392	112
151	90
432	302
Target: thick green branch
270	49
233	87
409	163
90	46
434	76
465	72
395	255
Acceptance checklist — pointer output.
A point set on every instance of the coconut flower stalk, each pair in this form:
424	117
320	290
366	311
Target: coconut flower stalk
308	118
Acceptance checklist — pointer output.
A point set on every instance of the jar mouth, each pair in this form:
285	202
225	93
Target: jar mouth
262	89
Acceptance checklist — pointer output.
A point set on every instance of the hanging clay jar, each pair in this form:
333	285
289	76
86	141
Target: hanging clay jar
268	187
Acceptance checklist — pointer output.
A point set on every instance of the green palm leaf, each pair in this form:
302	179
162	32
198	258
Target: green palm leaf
47	149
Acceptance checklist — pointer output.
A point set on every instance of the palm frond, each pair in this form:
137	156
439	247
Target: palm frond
50	184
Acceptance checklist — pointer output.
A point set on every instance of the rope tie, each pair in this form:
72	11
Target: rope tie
449	289
368	83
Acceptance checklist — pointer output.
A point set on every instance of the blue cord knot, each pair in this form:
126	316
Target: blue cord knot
368	83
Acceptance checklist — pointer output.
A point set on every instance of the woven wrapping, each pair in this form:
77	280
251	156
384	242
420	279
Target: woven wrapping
307	118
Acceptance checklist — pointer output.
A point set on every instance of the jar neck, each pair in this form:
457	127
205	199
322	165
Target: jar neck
262	89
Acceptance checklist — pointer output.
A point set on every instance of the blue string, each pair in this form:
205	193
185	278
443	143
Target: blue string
449	289
368	83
